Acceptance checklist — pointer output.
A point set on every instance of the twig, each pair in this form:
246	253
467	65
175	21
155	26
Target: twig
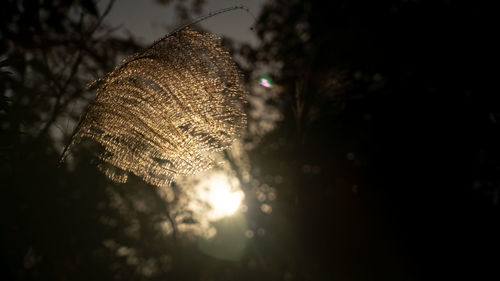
58	106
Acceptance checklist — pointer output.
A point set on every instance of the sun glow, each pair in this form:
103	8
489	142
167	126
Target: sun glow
222	194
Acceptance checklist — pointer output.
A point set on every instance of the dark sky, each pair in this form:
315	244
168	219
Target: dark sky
149	21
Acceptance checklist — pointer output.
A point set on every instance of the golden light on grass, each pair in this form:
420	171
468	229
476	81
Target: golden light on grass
164	111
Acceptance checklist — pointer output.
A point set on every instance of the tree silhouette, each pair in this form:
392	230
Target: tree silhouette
385	112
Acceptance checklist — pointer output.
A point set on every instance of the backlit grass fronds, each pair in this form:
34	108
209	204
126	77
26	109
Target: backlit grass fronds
165	110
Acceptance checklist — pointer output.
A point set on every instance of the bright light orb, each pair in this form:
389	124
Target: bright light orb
223	196
265	81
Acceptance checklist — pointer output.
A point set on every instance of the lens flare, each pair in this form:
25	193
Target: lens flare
265	81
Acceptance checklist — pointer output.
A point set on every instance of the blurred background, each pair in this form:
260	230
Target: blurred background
371	151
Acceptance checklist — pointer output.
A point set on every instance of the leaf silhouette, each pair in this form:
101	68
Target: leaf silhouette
165	110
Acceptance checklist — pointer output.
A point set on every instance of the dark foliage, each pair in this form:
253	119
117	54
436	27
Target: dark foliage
388	144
